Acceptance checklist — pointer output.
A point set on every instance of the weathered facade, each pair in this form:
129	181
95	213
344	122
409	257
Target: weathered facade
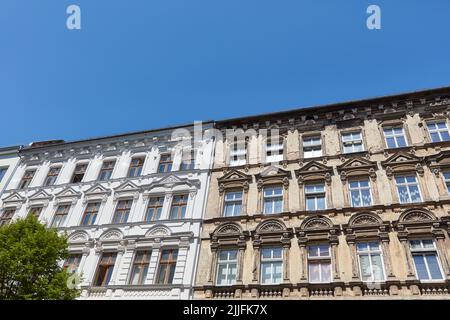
352	201
130	204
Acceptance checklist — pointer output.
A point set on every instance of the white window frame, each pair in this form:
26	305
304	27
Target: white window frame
407	184
352	142
273	148
437	130
314	195
370	252
423	251
359	189
228	263
238	150
394	136
232	202
271	261
446	180
321	259
272	197
310	149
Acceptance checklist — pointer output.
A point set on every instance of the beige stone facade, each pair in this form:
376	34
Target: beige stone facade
378	210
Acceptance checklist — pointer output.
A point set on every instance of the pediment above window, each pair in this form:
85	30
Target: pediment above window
273	175
271	231
97	189
127	186
40	195
14	198
355	167
173	181
227	234
315	223
68	193
439	161
234	179
111	235
365	226
314	171
417	221
317	228
158	231
402	162
78	237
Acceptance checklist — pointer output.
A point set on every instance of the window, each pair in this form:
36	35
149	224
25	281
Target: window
136	166
238	155
139	269
312	147
72	263
90	213
6	216
274	151
273	200
226	267
315	197
447	180
438	131
352	142
271	265
78	174
408	189
122	211
165	163
106	170
188	164
370	261
178	210
395	137
360	193
52	175
167	264
2	173
60	215
35	211
26	179
233	203
319	263
426	260
154	209
105	269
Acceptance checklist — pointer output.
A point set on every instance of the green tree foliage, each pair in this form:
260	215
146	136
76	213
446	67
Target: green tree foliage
29	256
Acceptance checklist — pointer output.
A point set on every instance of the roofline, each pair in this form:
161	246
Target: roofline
10	149
337	105
65	143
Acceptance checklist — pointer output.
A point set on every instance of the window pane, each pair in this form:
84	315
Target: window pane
433	266
314	272
421	269
366	273
378	273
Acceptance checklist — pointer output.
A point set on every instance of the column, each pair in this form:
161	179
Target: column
240	260
117	265
301	195
153	264
303	259
212	267
256	262
260	197
386	255
355	269
245	198
286	194
409	260
286	247
334	257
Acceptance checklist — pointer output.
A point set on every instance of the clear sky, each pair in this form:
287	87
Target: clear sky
142	64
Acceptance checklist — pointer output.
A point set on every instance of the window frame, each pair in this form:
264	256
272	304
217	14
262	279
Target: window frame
277	147
351	132
77	173
180	206
321	260
142	264
108	169
271	261
110	268
407	184
394	136
11	212
65	215
26	178
369	252
226	262
33	207
171	262
90	213
312	146
133	167
360	189
68	267
165	162
315	195
122	211
264	197
51	175
438	131
422	252
233	201
155	206
3	171
241	157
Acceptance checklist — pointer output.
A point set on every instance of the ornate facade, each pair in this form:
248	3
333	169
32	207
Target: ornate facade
342	201
130	204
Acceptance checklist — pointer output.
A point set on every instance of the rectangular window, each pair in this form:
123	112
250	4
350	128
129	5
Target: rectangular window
139	269
233	203
319	264
274	151
60	215
370	261
188	163
167	265
226	267
178	209
312	147
106	170
360	193
6	216
72	263
315	197
273	200
165	163
238	154
105	269
271	265
408	189
154	209
78	174
438	131
352	142
426	260
26	179
90	213
2	173
136	166
122	211
35	211
52	175
447	180
395	137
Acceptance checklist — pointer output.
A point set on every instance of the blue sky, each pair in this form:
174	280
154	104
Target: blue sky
142	64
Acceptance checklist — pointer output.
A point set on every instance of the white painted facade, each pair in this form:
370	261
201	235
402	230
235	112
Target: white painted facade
9	160
124	239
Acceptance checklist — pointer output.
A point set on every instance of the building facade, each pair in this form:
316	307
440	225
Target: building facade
342	201
9	160
130	204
